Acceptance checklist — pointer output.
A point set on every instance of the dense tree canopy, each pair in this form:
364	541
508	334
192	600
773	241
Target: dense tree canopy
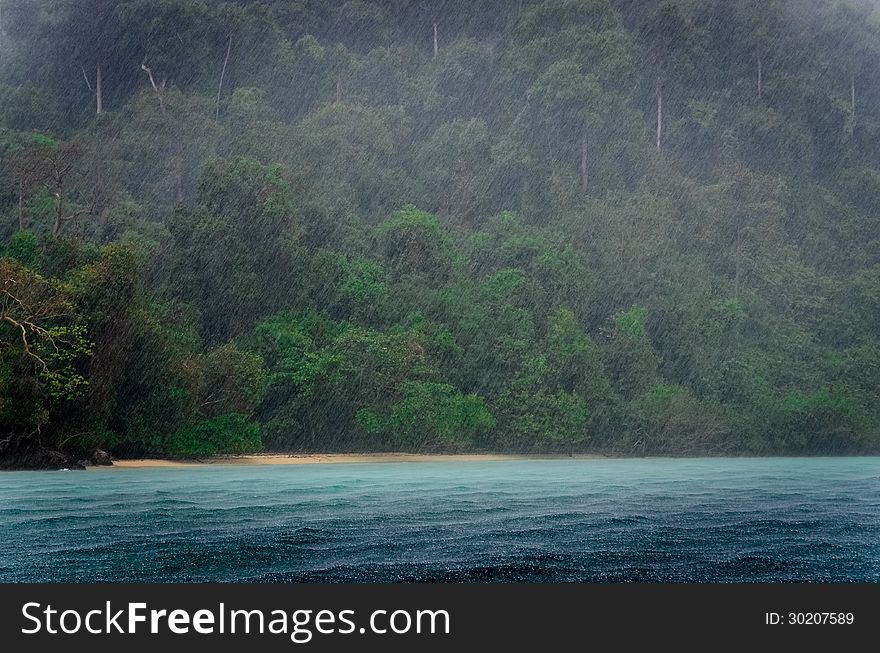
565	225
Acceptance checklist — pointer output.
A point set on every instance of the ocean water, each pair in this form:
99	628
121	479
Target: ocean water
602	520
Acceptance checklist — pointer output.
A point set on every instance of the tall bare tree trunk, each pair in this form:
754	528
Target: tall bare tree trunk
436	47
659	93
738	270
760	77
852	95
222	75
99	100
2	28
584	178
155	88
338	91
59	208
21	205
178	181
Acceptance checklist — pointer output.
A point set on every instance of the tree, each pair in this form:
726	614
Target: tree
461	81
541	421
414	243
581	77
70	176
41	347
673	46
673	422
230	381
30	305
846	32
226	434
753	206
77	183
157	156
172	40
631	358
453	165
353	146
248	211
430	416
93	44
568	105
26	157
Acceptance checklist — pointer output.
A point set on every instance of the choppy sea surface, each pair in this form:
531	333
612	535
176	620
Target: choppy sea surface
595	520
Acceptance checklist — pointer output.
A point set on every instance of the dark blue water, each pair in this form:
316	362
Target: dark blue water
706	520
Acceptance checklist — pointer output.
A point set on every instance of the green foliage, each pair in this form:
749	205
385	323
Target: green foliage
225	434
542	421
370	421
413	242
671	421
631	323
23	247
61	347
45	141
630	357
435	416
28	107
454	163
247	211
42	351
825	421
364	286
230	380
293	347
354	242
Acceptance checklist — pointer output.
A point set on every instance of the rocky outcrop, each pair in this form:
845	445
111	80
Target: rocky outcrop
101	458
37	458
48	459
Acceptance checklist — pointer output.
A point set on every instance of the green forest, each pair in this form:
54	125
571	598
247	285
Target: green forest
612	226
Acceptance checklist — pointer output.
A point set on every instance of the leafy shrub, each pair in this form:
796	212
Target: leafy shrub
226	434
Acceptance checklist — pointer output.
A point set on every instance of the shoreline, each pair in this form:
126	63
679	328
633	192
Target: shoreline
331	459
269	458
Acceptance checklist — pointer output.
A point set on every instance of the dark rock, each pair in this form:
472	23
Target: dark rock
57	460
85	462
101	457
38	458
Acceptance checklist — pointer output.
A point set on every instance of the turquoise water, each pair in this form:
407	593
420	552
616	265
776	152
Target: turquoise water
603	520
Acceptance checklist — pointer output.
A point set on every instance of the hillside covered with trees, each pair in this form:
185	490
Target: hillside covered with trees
321	225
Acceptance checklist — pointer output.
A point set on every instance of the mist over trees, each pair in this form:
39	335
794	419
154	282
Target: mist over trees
571	225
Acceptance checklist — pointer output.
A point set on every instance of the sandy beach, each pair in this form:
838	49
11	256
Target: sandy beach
327	458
